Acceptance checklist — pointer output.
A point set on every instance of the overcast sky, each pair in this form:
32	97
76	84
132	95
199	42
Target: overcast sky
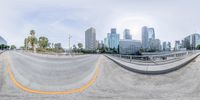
172	19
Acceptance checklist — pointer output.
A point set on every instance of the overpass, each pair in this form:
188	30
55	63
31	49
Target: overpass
47	74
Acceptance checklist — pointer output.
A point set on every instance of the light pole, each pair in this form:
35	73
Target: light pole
69	38
26	40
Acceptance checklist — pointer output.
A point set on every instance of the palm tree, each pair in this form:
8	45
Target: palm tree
74	48
12	47
32	40
43	42
80	47
26	43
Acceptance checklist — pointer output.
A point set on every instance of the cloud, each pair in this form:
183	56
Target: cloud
172	19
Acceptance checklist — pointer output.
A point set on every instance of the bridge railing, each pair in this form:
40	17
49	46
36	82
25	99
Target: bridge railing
155	59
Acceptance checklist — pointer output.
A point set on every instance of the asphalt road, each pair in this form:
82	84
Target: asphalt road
52	74
113	82
1	71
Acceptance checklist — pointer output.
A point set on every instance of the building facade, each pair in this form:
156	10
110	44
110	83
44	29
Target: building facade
151	33
166	46
129	46
105	42
113	39
90	39
3	41
191	42
127	35
177	45
154	45
149	42
195	40
145	35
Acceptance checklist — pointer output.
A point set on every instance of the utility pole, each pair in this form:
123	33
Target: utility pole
26	40
69	38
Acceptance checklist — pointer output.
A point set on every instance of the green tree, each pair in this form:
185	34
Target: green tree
80	47
2	46
12	47
57	46
198	47
74	48
32	40
43	42
8	47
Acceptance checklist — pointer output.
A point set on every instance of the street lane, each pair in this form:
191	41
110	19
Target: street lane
51	74
116	83
1	71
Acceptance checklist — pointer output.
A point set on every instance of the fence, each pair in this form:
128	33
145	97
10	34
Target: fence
154	59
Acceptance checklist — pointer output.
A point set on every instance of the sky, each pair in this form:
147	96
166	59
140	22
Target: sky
55	19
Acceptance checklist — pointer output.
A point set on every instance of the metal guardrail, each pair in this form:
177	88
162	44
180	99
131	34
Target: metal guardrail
149	60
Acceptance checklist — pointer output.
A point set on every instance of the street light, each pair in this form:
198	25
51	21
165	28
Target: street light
69	38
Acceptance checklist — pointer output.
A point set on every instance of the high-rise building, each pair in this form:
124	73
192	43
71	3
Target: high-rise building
166	46
195	41
177	45
113	39
191	42
155	45
97	44
186	43
151	33
101	45
90	39
149	43
145	36
105	42
113	30
129	46
127	34
2	41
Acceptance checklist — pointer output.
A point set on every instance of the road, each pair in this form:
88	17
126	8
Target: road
112	83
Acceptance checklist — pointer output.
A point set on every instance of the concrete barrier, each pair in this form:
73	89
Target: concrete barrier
156	69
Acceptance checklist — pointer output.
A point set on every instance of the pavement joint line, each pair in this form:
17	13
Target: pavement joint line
82	88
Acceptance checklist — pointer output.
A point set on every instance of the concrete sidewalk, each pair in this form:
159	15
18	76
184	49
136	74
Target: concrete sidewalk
155	69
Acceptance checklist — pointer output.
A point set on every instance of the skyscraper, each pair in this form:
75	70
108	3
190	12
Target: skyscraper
155	45
90	39
151	33
177	45
166	46
192	41
127	35
195	40
149	42
129	46
145	36
113	39
106	42
2	41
